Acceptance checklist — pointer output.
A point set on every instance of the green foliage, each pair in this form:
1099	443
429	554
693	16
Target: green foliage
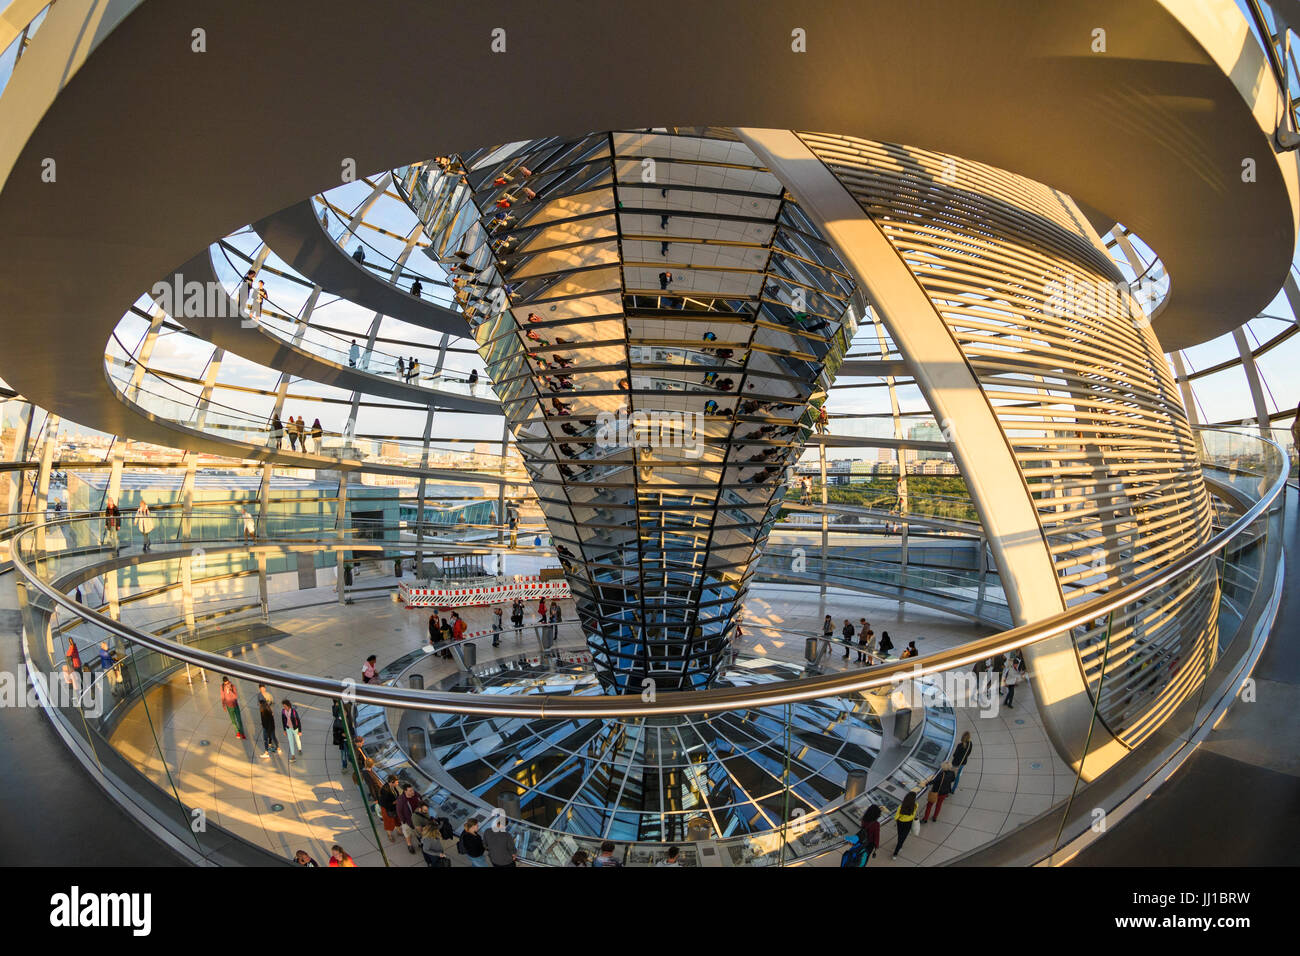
935	496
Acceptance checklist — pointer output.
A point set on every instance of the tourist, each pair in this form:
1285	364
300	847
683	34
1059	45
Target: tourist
909	651
340	731
940	785
981	672
112	525
555	620
107	662
292	725
277	431
417	289
270	743
960	754
359	255
886	645
606	855
470	844
144	521
340	858
250	526
259	297
447	635
230	701
368	776
866	642
580	858
1010	678
407	802
673	858
828	631
316	432
293	434
864	843
458	627
72	678
432	847
500	845
388	812
420	816
303	858
74	655
497	626
435	630
401	367
903	818
369	673
847	634
999	664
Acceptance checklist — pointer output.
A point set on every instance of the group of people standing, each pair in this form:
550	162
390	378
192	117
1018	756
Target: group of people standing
253	298
867	646
548	619
444	630
1003	672
290	721
298	433
144	522
943	784
408	371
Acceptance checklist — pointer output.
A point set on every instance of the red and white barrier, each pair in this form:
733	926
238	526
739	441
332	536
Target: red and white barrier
526	588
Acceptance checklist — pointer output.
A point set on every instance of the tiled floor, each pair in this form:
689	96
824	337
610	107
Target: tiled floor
1013	774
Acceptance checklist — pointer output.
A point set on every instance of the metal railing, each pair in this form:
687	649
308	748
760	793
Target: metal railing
686	702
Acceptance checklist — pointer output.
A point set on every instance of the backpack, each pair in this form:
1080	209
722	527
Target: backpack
856	855
445	829
460	843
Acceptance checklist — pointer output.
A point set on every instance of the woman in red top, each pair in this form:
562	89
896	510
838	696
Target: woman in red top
541	606
230	701
74	655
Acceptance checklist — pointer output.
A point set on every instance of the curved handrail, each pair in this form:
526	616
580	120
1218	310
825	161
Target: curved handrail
334	348
224	424
682	702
